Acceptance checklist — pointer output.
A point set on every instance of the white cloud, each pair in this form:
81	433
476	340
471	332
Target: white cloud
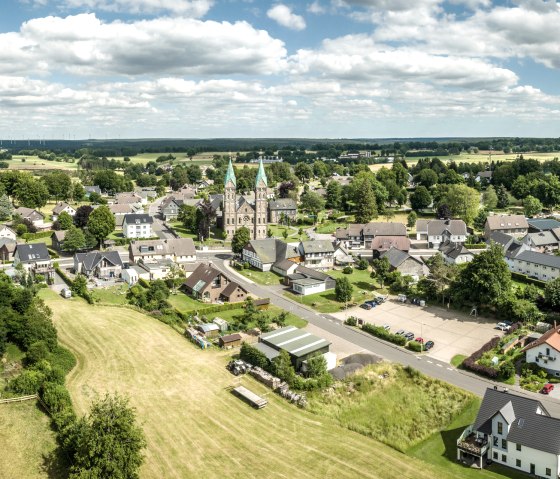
316	8
190	8
85	45
283	15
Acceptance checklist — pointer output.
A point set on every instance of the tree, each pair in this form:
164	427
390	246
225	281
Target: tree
108	442
381	268
303	171
205	214
175	277
187	216
426	178
343	290
443	212
82	215
101	223
74	240
312	203
480	219
463	202
59	185
282	366
441	276
503	197
78	192
6	208
79	285
316	366
285	234
194	174
241	237
552	293
333	196
366	207
490	198
64	220
30	192
532	206
421	198
411	219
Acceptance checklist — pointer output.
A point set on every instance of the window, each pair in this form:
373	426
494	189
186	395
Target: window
495	455
518	447
548	351
500	428
518	462
504	444
504	458
548	471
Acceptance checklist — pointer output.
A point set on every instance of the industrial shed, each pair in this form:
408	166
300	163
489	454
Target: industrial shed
300	344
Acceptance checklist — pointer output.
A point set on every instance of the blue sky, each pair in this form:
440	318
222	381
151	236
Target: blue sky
259	68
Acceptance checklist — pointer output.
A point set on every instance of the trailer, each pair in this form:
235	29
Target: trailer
249	397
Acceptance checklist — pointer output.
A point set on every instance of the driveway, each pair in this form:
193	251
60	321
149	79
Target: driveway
452	333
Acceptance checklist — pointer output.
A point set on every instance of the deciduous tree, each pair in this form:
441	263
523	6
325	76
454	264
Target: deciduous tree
240	238
101	222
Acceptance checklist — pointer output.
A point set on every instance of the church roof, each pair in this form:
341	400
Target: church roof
230	175
261	175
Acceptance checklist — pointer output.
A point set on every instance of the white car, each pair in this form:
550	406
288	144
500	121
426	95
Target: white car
503	326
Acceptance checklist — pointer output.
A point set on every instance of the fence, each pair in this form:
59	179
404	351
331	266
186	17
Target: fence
19	399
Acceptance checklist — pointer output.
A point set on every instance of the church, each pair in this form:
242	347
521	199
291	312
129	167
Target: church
238	212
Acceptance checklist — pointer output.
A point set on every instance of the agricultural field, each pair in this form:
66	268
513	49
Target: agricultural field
35	163
193	423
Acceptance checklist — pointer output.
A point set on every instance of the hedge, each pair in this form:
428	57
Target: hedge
382	333
471	364
523	278
142	282
53	253
253	356
414	346
65	278
475	246
34	236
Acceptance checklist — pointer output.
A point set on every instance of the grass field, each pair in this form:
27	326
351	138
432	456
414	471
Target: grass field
194	426
27	443
112	295
261	277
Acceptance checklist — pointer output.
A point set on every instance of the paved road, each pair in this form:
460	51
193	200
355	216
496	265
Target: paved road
425	364
159	227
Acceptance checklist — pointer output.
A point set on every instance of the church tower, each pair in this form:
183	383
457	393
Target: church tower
261	203
229	212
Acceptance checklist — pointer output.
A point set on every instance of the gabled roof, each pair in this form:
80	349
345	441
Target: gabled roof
175	246
60	207
454	250
93	189
6	227
271	250
383	243
506	222
139	219
28	212
122	208
539	258
128	197
543	224
201	277
454	227
93	258
379	228
485	174
30	253
551	337
397	257
317	246
282	204
59	235
230	289
542	238
526	426
422	226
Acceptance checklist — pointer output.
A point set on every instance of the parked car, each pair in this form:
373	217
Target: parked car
509	323
402	298
419	340
400	332
372	303
386	327
503	326
429	345
409	336
547	388
366	306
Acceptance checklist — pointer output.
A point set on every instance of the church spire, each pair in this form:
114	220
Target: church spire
261	175
230	175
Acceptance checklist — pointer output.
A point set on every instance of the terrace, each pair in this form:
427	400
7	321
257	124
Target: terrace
471	447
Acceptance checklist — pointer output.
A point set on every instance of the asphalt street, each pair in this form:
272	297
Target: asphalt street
423	363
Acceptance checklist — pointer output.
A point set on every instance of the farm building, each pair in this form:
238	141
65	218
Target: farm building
209	330
221	323
230	341
300	344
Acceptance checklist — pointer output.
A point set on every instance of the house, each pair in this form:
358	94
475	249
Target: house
306	281
360	236
208	284
34	258
57	239
342	256
158	269
317	254
515	431
436	232
537	225
263	253
285	267
7	249
283	210
34	216
170	208
134	273
406	264
484	176
138	226
92	189
510	246
100	264
542	266
300	344
130	198
7	232
544	351
209	330
380	244
514	225
180	250
62	207
543	241
230	341
455	253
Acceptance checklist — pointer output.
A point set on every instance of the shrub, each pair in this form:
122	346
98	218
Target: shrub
414	346
523	278
362	264
351	321
37	351
56	397
382	333
28	382
347	270
254	356
62	358
506	369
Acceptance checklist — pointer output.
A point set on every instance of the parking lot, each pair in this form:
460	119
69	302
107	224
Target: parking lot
452	332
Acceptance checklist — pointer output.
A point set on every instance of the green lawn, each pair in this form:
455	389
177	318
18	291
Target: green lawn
440	449
261	277
111	295
181	230
185	303
457	360
272	311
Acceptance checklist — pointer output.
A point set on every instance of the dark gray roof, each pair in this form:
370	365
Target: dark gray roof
93	258
454	227
527	427
93	189
397	257
539	258
317	246
500	238
384	229
454	250
282	204
543	224
543	238
485	174
29	253
138	219
509	244
271	250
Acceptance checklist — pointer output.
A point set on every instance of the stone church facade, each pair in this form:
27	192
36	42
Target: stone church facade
238	212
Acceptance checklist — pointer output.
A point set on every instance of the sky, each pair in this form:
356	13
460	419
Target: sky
78	69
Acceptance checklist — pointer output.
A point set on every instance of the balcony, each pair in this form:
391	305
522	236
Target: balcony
470	443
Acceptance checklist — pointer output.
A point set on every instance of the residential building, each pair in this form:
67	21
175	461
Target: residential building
130	198
92	189
510	246
342	256
132	274
37	218
283	210
541	266
57	239
543	241
361	236
7	249
180	250
7	232
35	258
317	254
138	226
238	212
545	351
484	176
406	264
285	267
514	225
99	264
537	225
306	281
158	269
263	253
436	232
380	244
121	210
209	284
62	207
454	253
514	431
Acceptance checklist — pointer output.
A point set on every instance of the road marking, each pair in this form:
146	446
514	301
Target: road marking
441	366
450	369
418	357
431	362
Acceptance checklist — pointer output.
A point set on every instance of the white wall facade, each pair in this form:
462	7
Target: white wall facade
544	273
137	231
546	357
309	288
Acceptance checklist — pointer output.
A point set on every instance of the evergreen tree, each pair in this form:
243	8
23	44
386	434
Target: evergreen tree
6	208
421	198
333	196
366	207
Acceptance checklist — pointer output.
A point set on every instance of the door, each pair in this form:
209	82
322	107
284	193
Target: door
532	469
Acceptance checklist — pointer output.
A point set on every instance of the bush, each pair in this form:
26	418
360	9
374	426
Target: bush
362	264
37	351
254	356
56	397
414	346
382	333
28	382
62	358
506	370
347	270
351	321
470	363
475	246
523	278
36	236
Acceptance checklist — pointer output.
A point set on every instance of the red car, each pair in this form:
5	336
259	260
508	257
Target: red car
547	388
420	340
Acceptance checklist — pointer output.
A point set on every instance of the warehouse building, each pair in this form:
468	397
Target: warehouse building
300	345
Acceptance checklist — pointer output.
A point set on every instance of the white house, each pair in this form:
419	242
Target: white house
318	254
306	281
545	351
62	207
138	226
180	250
437	232
456	253
36	218
536	265
264	253
7	232
34	258
514	431
134	273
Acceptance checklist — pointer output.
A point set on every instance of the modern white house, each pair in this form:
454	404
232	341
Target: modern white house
34	258
318	254
437	232
514	431
545	351
306	281
62	207
7	232
180	250
542	266
455	253
138	226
